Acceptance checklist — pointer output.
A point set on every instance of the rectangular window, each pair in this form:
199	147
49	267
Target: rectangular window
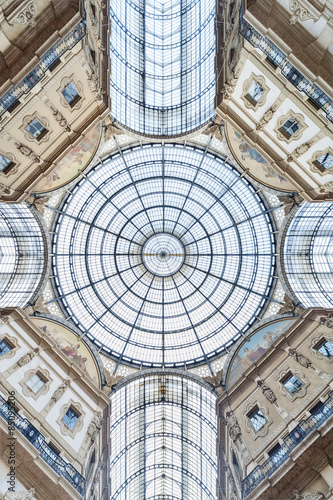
292	383
324	162
4	347
255	93
36	129
35	383
70	418
289	128
5	163
325	347
71	94
256	418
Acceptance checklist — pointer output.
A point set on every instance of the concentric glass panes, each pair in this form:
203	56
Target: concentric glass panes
162	64
163	440
22	255
308	254
163	255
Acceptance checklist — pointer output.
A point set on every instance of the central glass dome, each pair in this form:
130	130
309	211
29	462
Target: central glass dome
163	255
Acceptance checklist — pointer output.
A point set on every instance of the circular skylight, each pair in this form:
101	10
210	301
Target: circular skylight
163	255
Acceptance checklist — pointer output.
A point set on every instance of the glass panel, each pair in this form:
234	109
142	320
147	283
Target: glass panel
35	383
4	163
4	347
257	419
325	348
325	161
292	383
255	92
35	128
290	127
70	93
70	418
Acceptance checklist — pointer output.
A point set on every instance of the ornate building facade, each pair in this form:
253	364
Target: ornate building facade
166	249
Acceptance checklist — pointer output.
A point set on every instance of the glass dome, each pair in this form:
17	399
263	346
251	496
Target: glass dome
162	64
163	255
308	254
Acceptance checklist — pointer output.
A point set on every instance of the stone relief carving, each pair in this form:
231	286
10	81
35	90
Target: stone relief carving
327	190
59	392
38	306
94	86
303	148
266	117
94	427
289	306
26	16
267	392
302	360
215	128
299	12
60	119
4	190
27	358
288	204
234	430
18	495
215	381
230	84
111	129
111	380
309	496
39	204
26	151
327	320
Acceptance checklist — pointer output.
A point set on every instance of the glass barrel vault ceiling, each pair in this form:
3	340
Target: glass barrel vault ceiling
163	255
163	440
162	64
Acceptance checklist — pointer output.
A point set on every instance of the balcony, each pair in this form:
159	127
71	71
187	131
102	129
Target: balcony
294	438
58	464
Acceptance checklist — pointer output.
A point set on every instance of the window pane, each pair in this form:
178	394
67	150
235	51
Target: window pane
70	93
4	163
4	347
325	161
255	92
257	419
326	348
292	384
70	418
290	127
35	383
35	128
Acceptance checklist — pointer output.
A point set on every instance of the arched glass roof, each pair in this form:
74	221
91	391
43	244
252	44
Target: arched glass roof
162	64
164	255
163	439
308	254
22	255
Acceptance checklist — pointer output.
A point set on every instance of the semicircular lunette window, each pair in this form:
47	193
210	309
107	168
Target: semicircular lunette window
163	255
163	64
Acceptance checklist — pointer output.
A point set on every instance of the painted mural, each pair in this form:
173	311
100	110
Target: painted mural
69	344
252	350
250	158
67	168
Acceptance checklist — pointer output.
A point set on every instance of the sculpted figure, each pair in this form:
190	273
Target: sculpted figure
302	360
268	393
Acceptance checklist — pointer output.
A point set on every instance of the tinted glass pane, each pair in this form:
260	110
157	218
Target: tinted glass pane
4	347
292	384
325	161
70	418
35	383
257	419
4	162
326	348
35	128
70	93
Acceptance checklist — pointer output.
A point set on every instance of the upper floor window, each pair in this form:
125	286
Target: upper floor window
5	347
70	418
292	383
255	93
320	411
36	382
256	418
36	129
325	347
277	454
289	128
324	162
5	163
71	94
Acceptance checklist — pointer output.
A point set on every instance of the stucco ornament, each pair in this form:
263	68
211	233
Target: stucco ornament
299	12
215	381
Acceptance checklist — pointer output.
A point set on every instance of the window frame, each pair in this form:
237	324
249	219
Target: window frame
43	374
26	122
300	392
247	85
79	88
76	98
248	424
77	408
10	168
314	344
282	120
316	167
11	341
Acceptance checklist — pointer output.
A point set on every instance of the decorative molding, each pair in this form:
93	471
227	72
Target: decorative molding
230	84
317	169
318	354
289	202
263	431
260	80
12	341
94	427
282	120
26	151
215	381
45	376
26	16
39	204
59	118
301	392
66	431
301	150
94	85
215	127
27	120
79	87
299	12
111	380
266	117
18	495
304	361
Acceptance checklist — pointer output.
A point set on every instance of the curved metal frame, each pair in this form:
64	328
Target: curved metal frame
228	208
163	56
159	446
